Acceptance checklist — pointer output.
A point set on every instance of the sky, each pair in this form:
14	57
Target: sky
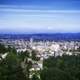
39	16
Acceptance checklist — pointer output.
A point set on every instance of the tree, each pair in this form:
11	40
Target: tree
2	49
34	57
61	68
35	77
10	68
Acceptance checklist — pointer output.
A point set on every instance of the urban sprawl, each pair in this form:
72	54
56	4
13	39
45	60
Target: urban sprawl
43	49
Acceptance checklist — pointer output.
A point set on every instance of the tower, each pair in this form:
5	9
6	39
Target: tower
31	42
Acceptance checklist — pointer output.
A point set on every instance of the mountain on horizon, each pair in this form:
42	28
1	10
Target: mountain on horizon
43	36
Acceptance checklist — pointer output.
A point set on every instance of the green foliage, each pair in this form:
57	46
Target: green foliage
34	55
10	68
61	68
55	68
2	49
35	77
22	55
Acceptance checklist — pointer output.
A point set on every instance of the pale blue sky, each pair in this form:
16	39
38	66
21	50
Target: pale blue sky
39	16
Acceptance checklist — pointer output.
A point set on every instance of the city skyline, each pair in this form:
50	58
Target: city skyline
39	16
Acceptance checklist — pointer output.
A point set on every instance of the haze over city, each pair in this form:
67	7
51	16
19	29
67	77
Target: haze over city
39	16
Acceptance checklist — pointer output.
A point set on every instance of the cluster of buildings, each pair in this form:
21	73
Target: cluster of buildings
44	49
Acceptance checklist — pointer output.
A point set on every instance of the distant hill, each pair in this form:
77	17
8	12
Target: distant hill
46	36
